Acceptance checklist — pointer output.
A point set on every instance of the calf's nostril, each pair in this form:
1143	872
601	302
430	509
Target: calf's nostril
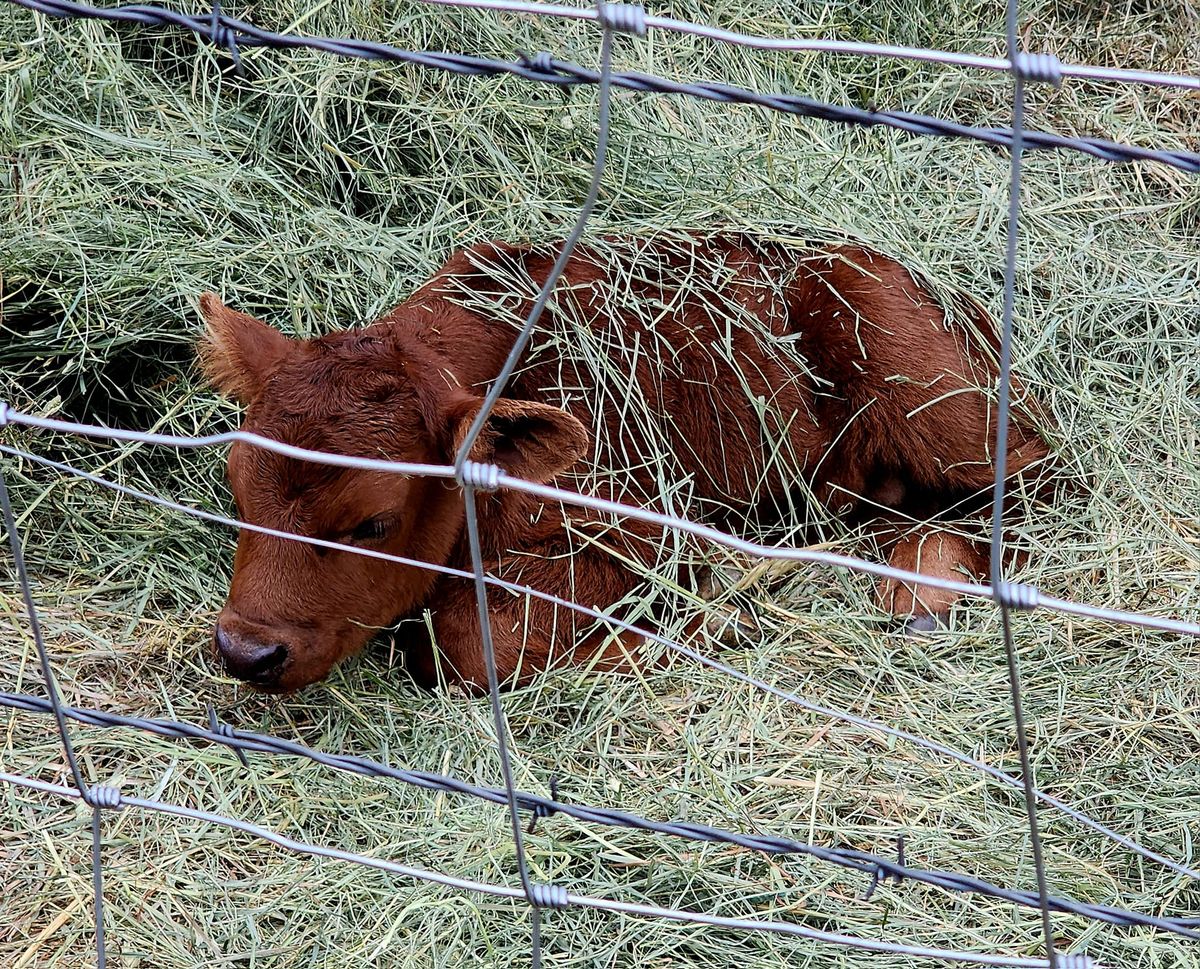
265	658
221	641
249	660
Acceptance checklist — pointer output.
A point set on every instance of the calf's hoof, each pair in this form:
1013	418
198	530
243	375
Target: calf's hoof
917	627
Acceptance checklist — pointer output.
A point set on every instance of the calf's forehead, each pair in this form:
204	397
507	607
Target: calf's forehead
303	496
347	403
346	395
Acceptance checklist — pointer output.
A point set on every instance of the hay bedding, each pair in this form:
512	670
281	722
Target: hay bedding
320	193
645	280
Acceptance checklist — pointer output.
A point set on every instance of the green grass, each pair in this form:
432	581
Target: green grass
317	194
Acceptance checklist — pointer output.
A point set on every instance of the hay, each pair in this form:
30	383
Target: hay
318	193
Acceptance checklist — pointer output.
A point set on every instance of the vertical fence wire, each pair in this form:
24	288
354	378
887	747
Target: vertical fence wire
1008	596
475	477
93	797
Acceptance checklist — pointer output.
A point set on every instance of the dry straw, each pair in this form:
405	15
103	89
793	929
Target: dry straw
1124	365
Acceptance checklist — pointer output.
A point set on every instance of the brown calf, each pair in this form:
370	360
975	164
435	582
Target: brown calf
763	376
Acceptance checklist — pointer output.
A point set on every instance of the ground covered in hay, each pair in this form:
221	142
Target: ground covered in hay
317	192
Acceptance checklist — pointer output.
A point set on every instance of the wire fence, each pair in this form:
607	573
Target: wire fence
234	35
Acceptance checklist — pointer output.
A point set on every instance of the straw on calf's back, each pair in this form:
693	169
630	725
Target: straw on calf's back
755	375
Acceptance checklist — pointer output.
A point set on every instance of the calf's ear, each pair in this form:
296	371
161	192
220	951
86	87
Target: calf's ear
526	439
238	352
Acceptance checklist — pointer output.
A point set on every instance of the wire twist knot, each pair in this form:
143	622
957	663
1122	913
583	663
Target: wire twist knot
542	62
481	477
548	896
222	35
224	730
1014	595
1075	961
540	810
99	796
626	18
1038	67
3	413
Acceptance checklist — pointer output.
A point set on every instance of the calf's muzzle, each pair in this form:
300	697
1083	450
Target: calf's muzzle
249	659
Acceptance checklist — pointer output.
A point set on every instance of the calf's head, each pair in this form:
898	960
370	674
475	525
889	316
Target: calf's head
295	609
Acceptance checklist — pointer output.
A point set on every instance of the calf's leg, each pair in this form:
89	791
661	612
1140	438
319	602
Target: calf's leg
529	634
915	393
935	552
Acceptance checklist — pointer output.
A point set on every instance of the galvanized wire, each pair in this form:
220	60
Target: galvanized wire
1005	598
824	45
234	34
870	865
560	899
229	31
624	624
470	483
1033	598
81	787
8	415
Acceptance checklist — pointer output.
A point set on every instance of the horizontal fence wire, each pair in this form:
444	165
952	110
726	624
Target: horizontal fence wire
233	34
1030	597
864	863
560	899
621	623
825	45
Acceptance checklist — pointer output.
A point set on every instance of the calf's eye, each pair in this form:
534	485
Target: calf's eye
370	530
